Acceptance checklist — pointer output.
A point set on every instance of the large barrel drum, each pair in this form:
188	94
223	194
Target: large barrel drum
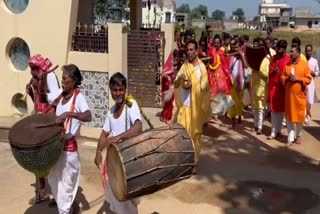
36	142
150	161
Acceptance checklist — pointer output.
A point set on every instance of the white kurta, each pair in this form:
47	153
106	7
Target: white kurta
64	176
314	67
116	127
53	86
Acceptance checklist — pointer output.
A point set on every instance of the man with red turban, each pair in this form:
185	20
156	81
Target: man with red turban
43	89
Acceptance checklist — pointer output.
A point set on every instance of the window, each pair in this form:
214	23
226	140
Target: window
19	54
16	6
168	17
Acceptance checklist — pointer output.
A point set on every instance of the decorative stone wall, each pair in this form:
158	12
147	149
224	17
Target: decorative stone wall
96	91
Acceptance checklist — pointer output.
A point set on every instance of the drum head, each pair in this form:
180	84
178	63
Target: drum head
116	173
34	130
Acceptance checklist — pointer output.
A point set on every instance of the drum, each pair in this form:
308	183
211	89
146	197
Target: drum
36	143
255	56
150	161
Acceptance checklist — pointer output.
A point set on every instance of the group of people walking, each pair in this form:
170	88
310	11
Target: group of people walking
280	84
197	77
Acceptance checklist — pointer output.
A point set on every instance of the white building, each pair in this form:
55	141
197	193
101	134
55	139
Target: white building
274	14
304	17
159	12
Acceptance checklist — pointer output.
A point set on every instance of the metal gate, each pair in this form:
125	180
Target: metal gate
145	61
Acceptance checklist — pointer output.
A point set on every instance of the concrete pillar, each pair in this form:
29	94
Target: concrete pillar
118	48
135	14
168	29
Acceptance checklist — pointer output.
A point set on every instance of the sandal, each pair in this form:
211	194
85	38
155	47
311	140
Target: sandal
38	198
298	140
52	203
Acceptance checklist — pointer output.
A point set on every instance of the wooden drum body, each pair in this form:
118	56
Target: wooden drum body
150	161
36	143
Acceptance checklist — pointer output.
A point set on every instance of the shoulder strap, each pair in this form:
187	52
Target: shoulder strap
72	107
126	117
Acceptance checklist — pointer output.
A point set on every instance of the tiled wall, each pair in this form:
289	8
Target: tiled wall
96	91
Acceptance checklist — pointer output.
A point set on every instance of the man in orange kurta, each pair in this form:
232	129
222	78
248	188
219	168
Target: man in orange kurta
295	78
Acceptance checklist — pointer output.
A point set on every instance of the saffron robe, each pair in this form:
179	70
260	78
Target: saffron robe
296	97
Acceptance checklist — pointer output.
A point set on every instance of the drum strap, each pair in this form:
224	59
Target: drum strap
126	119
66	126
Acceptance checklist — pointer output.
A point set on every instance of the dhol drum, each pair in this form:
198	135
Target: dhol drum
36	143
150	161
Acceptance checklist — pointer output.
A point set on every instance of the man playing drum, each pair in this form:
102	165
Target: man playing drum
43	89
72	109
123	122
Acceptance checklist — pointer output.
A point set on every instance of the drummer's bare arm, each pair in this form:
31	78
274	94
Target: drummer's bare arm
131	132
101	145
82	116
243	59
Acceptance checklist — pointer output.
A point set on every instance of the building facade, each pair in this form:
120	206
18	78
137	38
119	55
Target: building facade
153	13
274	14
305	18
34	27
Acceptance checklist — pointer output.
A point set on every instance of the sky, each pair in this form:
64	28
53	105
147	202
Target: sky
250	7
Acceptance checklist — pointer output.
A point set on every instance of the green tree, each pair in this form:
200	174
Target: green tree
218	15
200	10
103	9
184	8
240	13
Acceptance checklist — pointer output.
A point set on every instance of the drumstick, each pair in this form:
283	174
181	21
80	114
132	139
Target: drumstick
49	71
53	69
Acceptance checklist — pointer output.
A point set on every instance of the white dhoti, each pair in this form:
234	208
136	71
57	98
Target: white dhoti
311	92
64	180
121	207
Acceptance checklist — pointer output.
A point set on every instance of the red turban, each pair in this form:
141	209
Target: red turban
39	61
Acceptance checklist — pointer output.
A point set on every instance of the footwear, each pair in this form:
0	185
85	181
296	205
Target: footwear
239	120
52	203
233	122
259	132
38	198
298	140
271	137
289	143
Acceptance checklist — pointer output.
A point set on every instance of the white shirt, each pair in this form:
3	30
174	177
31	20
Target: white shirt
314	67
53	87
118	126
235	68
186	93
81	105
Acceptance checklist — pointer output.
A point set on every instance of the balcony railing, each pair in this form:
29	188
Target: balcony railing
90	38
